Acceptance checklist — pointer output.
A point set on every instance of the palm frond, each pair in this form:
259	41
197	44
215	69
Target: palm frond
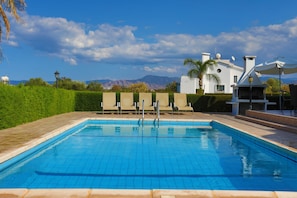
199	69
12	6
214	77
193	73
6	22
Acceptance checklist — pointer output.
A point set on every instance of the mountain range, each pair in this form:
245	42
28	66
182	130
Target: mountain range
153	82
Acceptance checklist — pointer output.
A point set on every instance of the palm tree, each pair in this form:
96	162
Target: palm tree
12	6
199	69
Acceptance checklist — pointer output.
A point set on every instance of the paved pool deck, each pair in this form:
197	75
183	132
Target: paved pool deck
26	135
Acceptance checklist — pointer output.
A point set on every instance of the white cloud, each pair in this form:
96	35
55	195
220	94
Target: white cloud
160	69
74	42
71	61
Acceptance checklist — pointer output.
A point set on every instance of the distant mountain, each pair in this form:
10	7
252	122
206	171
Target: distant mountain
154	82
16	82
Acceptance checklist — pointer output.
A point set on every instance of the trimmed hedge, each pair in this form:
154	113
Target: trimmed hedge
24	104
88	101
210	103
286	102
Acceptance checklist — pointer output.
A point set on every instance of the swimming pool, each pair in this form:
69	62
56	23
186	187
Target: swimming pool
124	154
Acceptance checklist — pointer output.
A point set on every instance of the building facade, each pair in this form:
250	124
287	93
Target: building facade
228	73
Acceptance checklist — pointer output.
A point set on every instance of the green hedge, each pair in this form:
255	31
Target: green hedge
286	102
88	101
24	104
210	103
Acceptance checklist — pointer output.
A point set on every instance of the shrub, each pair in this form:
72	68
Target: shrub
88	101
210	103
23	104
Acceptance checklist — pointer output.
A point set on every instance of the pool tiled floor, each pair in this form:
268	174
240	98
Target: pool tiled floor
23	135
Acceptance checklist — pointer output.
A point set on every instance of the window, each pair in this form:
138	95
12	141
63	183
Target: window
235	79
220	88
219	70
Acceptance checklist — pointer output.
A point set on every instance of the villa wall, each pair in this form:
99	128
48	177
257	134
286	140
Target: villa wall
225	70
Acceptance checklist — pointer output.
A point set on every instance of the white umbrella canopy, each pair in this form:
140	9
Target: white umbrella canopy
276	68
289	69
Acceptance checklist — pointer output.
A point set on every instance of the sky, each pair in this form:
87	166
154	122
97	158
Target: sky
129	39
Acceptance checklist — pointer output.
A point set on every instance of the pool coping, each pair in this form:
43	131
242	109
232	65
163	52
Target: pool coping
154	193
23	192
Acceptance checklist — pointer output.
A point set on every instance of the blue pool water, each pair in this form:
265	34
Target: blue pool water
168	155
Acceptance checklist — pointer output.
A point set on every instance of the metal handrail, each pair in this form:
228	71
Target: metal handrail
158	110
142	111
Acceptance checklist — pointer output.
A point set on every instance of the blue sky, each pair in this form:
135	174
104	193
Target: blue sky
128	39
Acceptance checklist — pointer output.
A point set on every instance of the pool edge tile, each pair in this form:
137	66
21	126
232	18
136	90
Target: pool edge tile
54	193
154	193
20	192
120	193
243	194
182	193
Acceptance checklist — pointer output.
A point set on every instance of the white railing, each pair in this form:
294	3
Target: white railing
158	110
142	111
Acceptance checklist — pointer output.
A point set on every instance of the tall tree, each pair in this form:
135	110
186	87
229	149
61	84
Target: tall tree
199	69
11	6
171	87
94	86
67	83
36	82
138	87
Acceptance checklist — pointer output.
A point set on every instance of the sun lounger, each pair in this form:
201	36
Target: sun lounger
127	102
163	99
109	102
148	104
180	102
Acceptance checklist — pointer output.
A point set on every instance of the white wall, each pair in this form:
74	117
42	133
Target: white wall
228	71
226	76
188	85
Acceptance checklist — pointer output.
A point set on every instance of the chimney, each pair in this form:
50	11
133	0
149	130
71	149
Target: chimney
249	63
205	57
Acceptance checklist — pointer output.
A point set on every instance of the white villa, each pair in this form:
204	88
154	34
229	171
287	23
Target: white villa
228	73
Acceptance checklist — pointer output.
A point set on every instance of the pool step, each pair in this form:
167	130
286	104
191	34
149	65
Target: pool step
285	123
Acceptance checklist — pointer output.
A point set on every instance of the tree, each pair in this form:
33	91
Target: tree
94	86
171	87
36	82
116	88
272	86
12	6
138	87
199	69
67	83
